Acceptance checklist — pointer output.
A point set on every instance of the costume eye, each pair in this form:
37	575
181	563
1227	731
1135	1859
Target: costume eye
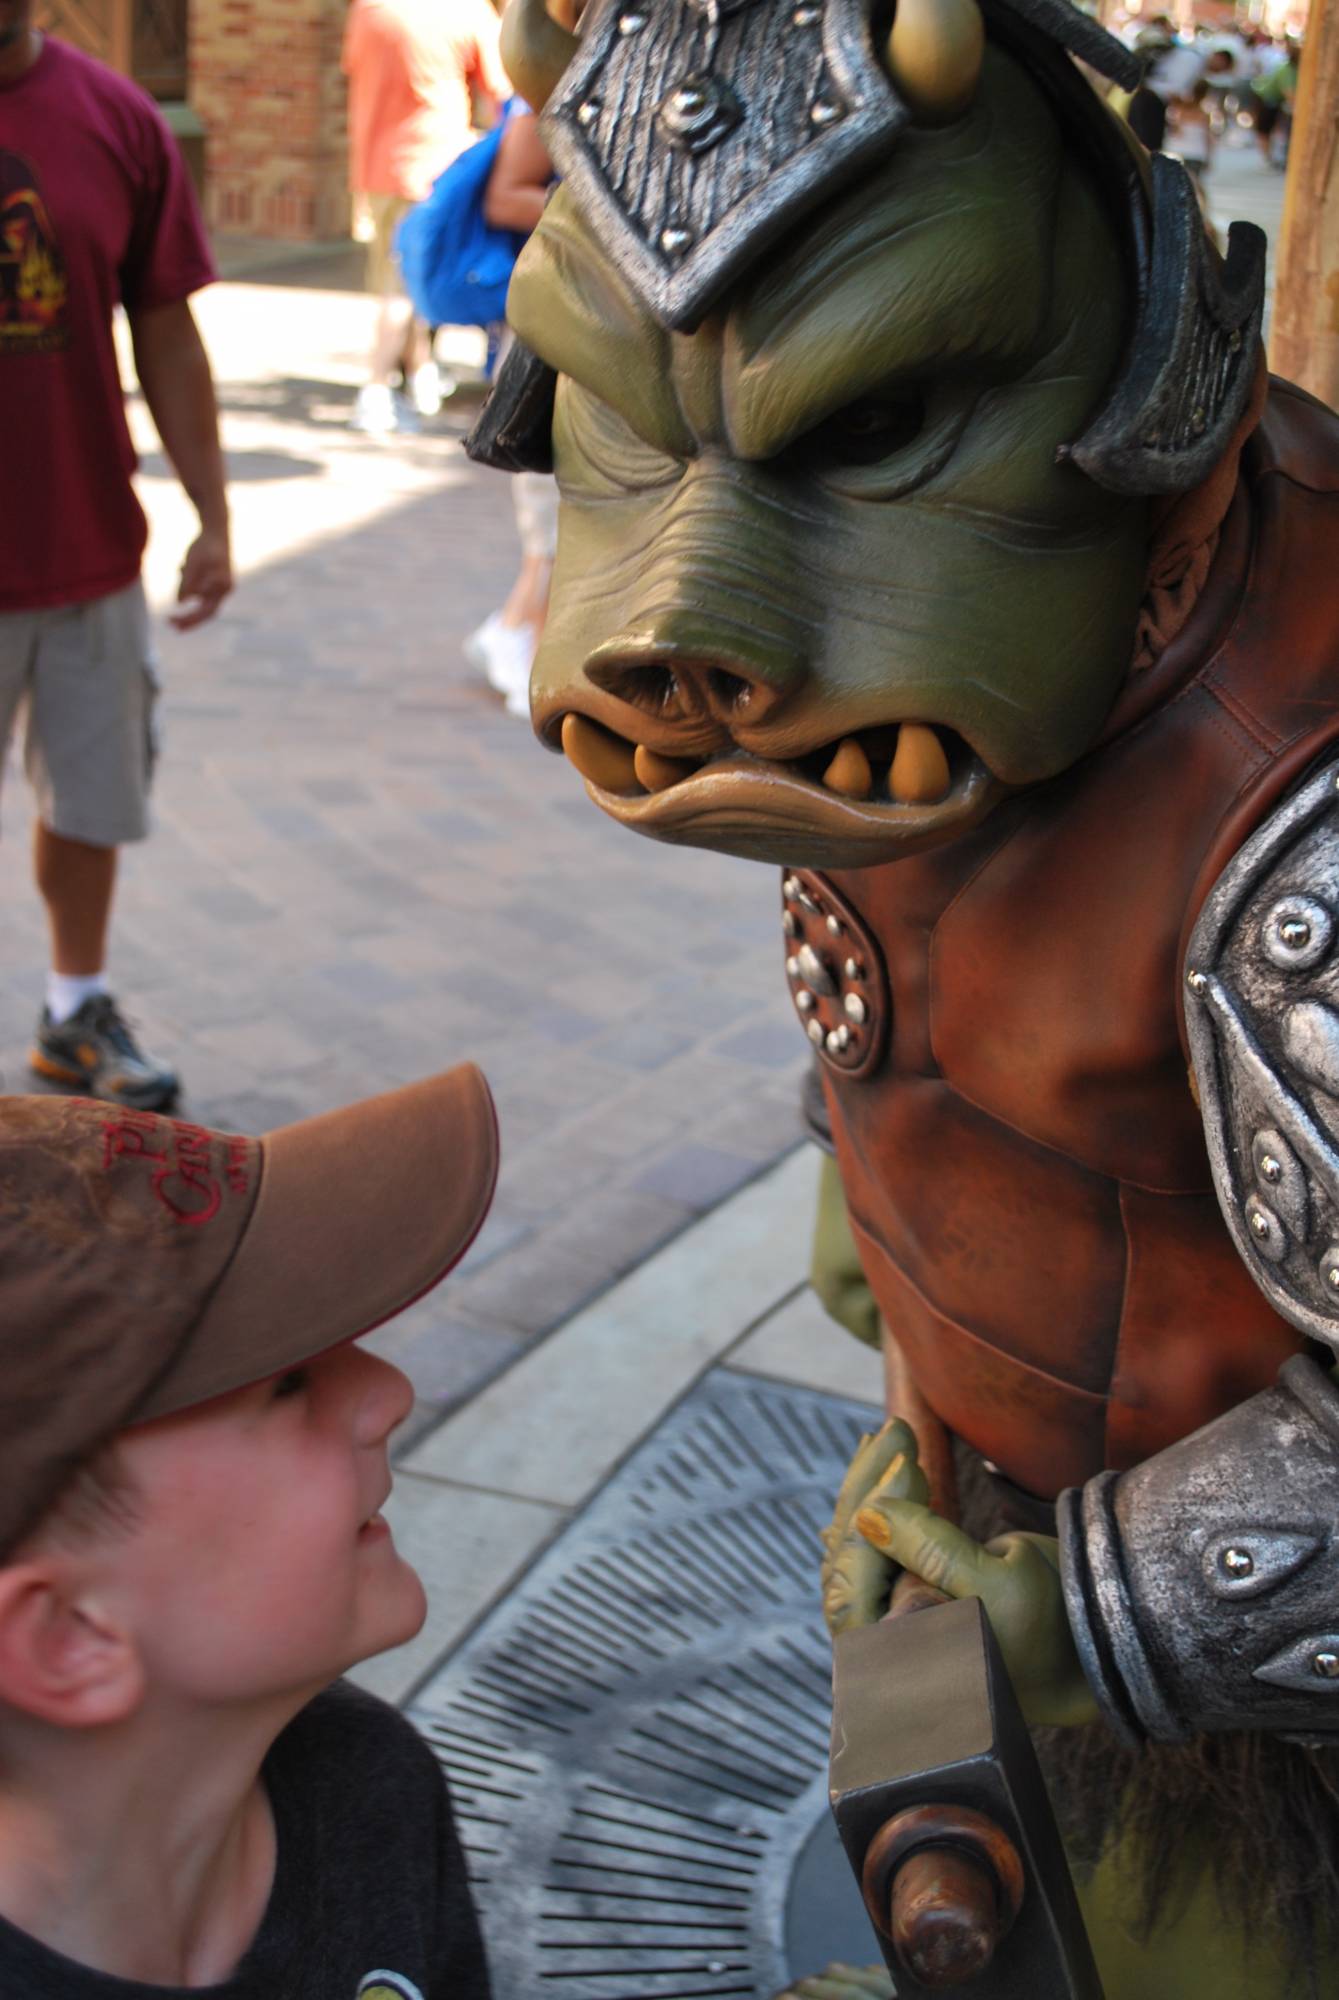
868	430
291	1383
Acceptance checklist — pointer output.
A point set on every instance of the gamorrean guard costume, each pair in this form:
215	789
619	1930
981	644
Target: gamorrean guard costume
928	529
1024	1163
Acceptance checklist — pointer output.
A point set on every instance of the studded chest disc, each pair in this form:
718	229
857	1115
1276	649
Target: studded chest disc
836	973
1262	1009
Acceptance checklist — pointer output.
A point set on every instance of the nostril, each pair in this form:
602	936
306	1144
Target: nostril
728	690
651	686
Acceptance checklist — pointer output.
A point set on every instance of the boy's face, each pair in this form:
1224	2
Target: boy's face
260	1565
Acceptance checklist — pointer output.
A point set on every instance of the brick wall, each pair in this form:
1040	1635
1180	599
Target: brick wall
266	81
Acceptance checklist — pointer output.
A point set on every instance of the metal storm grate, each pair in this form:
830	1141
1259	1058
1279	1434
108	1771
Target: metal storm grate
637	1737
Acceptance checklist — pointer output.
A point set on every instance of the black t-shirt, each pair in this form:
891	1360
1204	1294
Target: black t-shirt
370	1900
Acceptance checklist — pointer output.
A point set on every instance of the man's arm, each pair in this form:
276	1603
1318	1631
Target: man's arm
174	374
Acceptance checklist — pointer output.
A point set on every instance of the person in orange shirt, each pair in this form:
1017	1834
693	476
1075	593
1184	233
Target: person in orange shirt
410	65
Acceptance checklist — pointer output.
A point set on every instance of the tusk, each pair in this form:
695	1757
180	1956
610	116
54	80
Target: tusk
919	773
602	759
849	771
535	50
658	773
934	56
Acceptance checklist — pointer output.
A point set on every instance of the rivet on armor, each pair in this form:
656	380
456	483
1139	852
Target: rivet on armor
674	239
1270	1169
588	112
823	113
1196	981
1326	1664
1298	933
1270	1236
807	900
807	17
835	1044
1238	1562
853	969
1329	1268
835	926
790	886
792	968
813	971
815	1032
631	24
804	1000
856	1008
790	924
688	98
1198	421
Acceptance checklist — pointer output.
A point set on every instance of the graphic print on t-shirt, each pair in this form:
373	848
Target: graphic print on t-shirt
387	1986
34	286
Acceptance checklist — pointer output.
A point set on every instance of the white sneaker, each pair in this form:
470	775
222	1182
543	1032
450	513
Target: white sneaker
381	411
511	654
374	411
429	386
477	646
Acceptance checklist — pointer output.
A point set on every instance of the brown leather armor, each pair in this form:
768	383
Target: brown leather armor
1025	1164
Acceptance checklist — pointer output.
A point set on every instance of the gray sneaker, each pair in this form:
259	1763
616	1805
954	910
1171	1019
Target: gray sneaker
95	1052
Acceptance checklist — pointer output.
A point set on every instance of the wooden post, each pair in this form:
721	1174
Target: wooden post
1304	337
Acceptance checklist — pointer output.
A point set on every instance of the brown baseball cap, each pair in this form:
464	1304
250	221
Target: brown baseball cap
148	1264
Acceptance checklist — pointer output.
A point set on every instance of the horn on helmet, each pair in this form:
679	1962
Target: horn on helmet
934	56
535	50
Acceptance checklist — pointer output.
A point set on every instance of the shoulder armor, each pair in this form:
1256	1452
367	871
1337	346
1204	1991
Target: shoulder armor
1262	1007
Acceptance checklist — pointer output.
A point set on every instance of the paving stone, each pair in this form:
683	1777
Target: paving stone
533	1288
646	1044
696	1176
765	1045
445	1357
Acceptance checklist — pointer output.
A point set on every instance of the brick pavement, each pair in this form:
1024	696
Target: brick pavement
365	870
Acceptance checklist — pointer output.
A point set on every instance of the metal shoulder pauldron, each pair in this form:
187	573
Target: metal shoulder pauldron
1262	1004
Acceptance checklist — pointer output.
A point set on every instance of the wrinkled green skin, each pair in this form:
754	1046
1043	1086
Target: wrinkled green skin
710	511
712	514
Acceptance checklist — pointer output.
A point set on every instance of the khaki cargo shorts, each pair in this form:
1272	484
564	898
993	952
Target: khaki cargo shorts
86	680
387	211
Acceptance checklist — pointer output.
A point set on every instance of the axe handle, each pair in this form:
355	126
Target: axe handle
903	1399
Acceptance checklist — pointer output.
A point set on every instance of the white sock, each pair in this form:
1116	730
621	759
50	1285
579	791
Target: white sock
66	992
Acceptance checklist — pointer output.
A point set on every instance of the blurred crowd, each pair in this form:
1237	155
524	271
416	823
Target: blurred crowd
1201	88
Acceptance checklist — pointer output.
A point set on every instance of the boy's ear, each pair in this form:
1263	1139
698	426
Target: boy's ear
64	1659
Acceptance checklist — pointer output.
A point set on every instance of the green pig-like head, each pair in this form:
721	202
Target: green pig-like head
824	589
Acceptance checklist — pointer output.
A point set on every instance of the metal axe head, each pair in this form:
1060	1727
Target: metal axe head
943	1812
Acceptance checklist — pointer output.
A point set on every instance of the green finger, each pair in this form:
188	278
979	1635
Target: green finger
910	1534
856	1576
873	1457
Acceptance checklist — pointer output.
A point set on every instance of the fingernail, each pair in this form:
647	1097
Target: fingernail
873	1527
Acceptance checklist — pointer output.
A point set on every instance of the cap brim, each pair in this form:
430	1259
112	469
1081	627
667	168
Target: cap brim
360	1212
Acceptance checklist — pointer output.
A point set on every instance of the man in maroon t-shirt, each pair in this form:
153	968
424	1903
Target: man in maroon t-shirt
95	207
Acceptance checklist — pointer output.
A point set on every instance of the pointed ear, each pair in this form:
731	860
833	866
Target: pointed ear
65	1658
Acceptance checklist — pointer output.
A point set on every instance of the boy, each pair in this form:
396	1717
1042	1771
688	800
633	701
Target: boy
191	1551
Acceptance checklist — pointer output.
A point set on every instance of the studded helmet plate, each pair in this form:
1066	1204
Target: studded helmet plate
1262	1007
693	131
837	977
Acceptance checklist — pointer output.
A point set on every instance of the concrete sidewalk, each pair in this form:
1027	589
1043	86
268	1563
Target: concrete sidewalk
477	1499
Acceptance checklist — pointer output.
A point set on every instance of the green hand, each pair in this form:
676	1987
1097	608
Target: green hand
1017	1578
858	1578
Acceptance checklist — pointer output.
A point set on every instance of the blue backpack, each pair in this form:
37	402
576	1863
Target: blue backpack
456	268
